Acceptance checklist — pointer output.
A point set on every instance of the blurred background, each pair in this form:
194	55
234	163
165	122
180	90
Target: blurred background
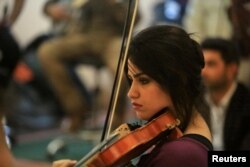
58	83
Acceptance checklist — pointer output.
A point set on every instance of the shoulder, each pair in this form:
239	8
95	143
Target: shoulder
241	97
242	90
184	144
185	151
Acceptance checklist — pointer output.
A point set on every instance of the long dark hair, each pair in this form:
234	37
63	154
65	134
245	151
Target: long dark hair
174	60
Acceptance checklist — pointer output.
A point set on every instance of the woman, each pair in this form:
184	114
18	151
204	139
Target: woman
164	70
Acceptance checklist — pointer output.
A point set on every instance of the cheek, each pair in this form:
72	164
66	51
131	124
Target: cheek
218	73
159	100
212	72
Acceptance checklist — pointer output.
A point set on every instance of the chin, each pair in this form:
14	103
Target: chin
141	116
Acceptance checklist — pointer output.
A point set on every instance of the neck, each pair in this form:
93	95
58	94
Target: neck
198	126
158	114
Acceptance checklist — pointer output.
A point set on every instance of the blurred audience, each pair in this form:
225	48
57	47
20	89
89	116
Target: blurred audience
239	13
58	13
208	19
161	12
226	19
171	12
147	13
10	52
9	56
96	34
228	99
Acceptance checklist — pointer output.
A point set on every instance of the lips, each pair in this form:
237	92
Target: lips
136	106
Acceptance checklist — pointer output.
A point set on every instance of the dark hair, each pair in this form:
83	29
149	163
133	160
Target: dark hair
227	49
174	60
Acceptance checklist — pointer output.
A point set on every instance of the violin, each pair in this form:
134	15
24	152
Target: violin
132	144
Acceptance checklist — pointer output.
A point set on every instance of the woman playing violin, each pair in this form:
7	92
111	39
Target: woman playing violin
164	71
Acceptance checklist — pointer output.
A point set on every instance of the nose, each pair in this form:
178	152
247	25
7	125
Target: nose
133	92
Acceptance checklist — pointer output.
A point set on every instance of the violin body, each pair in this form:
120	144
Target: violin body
134	144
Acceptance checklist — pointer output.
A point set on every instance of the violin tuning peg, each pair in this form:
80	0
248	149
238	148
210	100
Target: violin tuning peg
170	126
178	122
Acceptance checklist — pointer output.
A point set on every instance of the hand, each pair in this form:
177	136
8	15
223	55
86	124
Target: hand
64	163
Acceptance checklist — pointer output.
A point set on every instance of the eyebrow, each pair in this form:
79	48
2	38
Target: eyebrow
131	68
138	74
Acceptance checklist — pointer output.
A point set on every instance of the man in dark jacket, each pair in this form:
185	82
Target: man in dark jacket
229	100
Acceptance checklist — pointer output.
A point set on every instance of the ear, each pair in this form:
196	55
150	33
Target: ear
232	70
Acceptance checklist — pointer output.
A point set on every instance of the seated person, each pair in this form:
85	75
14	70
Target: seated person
228	99
98	34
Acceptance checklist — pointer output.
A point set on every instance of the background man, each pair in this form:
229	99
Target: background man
229	100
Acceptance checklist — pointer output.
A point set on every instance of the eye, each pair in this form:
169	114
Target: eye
144	80
211	64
